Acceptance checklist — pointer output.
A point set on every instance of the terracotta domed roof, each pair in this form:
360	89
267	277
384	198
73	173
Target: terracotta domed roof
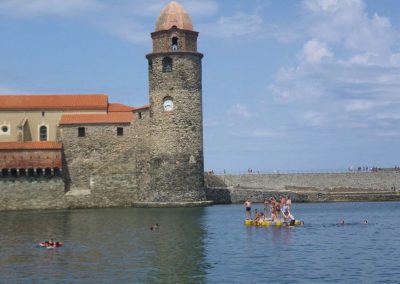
174	15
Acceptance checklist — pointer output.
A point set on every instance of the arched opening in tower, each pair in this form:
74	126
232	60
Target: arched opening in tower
174	44
167	64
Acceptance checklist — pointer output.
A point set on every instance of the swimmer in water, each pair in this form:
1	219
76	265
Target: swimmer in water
365	222
154	227
341	222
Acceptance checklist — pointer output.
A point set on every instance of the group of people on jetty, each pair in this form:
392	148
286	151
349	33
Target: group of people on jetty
274	211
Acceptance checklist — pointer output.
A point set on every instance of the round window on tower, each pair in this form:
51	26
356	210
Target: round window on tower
168	104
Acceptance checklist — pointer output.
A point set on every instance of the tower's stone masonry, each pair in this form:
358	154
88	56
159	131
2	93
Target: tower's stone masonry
185	40
177	135
177	166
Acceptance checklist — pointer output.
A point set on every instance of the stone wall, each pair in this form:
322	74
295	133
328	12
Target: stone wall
32	193
379	181
25	193
375	186
99	149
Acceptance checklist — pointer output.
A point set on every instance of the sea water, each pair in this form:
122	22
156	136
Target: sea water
202	245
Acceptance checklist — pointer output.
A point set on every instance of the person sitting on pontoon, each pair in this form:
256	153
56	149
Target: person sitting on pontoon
261	219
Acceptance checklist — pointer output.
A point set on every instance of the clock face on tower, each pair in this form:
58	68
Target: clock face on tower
168	104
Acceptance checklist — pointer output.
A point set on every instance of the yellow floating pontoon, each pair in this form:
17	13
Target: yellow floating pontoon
270	223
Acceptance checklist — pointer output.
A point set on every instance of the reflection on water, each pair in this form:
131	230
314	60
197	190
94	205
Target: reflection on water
103	246
202	245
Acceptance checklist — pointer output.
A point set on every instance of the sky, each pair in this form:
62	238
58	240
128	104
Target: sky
288	85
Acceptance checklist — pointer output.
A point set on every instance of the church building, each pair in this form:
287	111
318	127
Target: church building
111	154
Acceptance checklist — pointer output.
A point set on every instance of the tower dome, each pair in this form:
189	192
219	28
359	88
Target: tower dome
174	15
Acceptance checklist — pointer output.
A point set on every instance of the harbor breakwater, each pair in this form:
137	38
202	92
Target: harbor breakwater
310	187
23	193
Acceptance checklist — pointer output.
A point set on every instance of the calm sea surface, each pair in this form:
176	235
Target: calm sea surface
202	245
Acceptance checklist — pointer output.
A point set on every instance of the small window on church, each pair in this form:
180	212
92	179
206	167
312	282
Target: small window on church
4	128
150	65
43	113
81	132
120	131
174	45
167	64
43	133
140	115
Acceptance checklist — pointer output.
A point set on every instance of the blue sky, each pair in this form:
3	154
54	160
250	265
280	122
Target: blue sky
287	85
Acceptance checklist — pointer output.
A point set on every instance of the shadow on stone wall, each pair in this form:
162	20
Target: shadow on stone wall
65	173
219	195
211	180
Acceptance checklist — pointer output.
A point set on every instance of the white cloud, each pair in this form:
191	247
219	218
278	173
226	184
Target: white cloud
257	133
125	29
362	59
359	76
241	110
260	133
122	18
332	6
33	8
346	22
395	59
147	8
315	51
387	133
240	24
387	116
359	125
359	105
313	118
297	84
203	8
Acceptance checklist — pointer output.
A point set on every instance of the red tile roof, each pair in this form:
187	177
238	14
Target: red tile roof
113	117
117	107
31	145
54	102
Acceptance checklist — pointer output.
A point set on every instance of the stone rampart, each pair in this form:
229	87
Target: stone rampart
318	187
32	193
379	181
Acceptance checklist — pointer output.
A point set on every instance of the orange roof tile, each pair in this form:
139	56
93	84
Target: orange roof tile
31	145
56	102
117	107
116	117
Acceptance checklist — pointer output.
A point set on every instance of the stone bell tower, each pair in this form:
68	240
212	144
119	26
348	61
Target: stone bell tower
177	167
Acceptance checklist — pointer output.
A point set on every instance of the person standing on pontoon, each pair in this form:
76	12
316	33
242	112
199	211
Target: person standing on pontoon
247	204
